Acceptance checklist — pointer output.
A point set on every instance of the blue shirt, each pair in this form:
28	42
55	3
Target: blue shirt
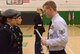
58	35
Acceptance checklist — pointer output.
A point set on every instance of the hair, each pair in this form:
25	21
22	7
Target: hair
3	20
40	9
51	4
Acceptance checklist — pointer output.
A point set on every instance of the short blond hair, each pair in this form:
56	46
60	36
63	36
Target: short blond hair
51	4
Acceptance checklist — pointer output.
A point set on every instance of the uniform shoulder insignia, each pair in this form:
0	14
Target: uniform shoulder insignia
20	34
62	31
51	27
4	27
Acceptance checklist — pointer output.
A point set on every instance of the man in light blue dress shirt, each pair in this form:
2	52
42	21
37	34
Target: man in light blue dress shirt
58	37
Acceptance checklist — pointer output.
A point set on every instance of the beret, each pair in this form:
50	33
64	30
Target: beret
10	13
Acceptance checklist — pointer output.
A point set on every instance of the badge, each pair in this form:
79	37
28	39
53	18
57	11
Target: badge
62	31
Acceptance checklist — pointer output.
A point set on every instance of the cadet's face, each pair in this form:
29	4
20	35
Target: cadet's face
12	21
48	12
18	20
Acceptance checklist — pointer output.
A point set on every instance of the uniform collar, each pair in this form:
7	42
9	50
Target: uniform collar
7	25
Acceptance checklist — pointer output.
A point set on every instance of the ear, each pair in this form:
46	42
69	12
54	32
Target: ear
8	19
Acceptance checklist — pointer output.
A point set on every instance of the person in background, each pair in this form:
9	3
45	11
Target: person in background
38	24
58	37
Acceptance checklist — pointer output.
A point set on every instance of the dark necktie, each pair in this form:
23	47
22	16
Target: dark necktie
49	28
48	32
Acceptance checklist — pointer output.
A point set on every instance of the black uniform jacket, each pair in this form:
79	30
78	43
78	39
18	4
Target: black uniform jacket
19	39
37	22
7	39
19	35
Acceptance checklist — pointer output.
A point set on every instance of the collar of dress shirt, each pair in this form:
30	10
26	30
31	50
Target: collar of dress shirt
55	16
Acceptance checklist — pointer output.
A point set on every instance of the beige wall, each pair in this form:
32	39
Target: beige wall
61	5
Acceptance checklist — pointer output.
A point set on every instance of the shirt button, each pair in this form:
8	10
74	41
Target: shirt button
18	47
18	51
18	42
17	38
20	39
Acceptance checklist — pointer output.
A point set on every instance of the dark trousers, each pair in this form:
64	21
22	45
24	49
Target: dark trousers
37	44
57	52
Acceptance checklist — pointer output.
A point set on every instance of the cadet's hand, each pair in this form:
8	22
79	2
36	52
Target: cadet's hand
43	40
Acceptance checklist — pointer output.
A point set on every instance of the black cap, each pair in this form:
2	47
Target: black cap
10	13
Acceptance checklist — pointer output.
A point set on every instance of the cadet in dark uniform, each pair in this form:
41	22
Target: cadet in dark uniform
8	38
19	35
38	24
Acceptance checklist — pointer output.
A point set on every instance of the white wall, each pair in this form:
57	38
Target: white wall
61	5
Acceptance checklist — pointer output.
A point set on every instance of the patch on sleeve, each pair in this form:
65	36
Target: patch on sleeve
62	31
51	27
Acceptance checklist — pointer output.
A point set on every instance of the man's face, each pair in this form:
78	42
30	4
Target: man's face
48	12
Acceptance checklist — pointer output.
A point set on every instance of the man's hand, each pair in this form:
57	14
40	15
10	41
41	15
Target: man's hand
43	40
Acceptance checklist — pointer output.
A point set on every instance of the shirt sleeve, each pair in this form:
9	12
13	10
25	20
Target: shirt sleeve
62	38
